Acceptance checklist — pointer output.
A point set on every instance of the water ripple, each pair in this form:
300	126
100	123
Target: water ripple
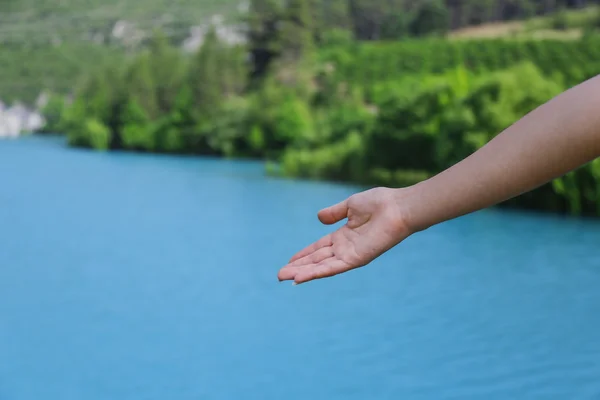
141	277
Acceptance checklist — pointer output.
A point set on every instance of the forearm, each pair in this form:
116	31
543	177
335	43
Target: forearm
552	140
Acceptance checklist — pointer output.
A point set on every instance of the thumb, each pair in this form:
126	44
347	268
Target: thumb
335	213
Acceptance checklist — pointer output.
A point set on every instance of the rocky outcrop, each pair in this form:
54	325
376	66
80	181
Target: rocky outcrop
18	119
128	34
229	34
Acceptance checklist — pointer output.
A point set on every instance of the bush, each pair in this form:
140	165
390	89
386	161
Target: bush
53	114
226	131
431	18
136	132
373	63
336	37
560	21
389	113
94	134
168	138
342	160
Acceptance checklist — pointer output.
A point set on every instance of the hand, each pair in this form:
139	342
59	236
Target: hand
376	223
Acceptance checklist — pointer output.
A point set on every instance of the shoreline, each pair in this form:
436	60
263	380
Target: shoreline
267	167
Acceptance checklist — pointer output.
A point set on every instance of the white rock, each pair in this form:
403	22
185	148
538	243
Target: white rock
19	119
120	29
228	34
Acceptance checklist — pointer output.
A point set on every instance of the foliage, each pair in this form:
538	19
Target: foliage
338	161
431	18
54	113
560	21
46	44
423	128
93	134
26	71
365	64
47	21
135	132
204	75
318	104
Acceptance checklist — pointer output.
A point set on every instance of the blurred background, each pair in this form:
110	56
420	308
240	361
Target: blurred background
163	159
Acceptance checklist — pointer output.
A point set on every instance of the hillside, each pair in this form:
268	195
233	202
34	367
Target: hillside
367	94
50	21
46	44
126	22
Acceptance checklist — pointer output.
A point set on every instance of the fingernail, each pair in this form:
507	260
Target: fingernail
294	284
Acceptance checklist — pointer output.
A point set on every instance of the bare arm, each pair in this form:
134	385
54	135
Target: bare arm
552	140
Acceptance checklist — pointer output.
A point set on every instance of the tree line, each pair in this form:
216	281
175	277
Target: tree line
377	112
393	19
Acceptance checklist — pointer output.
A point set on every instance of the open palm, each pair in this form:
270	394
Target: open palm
375	224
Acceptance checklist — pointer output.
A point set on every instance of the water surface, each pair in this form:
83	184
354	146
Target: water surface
127	276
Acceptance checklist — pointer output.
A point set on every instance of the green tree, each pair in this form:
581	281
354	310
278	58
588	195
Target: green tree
136	133
140	86
205	77
167	71
336	14
263	35
432	17
73	119
297	30
395	26
369	16
234	71
92	134
95	92
53	113
560	20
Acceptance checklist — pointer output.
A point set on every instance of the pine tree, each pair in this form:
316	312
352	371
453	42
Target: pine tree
263	35
336	14
167	70
97	92
205	75
234	71
317	11
135	130
431	18
369	16
298	29
140	85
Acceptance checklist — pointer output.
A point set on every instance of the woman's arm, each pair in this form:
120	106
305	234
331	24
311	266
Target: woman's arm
552	140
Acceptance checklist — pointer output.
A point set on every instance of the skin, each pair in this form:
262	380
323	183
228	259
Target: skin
554	139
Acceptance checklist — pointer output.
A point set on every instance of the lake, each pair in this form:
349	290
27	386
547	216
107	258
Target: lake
128	276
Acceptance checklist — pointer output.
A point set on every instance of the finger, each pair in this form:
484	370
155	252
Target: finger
314	258
323	242
328	268
289	271
335	213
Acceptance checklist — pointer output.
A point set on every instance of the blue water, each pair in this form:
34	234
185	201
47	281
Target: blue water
151	277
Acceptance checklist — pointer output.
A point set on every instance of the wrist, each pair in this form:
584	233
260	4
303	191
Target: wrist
408	201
